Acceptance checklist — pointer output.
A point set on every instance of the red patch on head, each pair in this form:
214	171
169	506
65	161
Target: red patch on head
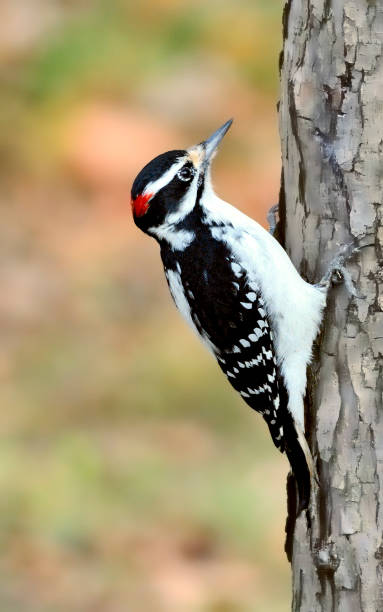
141	204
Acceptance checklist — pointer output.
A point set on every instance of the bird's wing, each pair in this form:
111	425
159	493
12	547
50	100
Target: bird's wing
231	313
251	366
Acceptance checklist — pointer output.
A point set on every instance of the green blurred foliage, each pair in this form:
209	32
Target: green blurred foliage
130	40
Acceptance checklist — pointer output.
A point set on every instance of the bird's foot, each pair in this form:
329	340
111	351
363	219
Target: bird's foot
341	275
337	272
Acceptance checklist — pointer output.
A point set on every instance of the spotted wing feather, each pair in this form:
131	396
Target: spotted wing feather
228	310
250	362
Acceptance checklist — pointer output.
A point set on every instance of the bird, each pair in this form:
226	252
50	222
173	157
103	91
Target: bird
239	291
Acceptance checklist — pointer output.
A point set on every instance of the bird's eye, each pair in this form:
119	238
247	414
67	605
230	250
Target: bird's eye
185	174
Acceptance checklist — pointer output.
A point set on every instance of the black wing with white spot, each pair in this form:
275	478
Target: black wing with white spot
250	363
228	311
251	368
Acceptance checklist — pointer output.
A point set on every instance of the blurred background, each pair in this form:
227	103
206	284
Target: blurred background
132	477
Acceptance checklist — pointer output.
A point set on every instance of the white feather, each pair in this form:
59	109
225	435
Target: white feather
177	239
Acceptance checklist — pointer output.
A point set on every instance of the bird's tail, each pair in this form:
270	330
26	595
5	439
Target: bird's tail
301	461
299	480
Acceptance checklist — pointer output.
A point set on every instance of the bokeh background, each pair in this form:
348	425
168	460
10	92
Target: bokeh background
131	476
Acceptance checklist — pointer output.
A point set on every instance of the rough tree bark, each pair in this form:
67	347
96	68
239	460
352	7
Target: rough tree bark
331	121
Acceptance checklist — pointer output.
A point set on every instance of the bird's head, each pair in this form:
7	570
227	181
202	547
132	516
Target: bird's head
168	188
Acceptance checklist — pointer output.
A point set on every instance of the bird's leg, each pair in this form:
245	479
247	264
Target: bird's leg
337	272
273	218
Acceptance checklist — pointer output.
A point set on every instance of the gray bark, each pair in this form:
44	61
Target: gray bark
331	121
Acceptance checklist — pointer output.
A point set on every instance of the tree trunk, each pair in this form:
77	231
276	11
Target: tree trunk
331	120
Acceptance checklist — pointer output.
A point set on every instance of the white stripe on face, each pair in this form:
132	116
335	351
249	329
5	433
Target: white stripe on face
155	186
187	203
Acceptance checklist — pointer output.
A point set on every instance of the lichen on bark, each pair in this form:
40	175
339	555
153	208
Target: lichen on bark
331	123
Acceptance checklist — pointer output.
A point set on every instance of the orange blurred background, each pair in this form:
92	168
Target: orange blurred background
132	477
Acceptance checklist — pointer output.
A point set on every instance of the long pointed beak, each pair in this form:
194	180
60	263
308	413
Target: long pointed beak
211	144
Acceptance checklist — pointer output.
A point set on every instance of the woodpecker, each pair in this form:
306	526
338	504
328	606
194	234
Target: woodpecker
237	288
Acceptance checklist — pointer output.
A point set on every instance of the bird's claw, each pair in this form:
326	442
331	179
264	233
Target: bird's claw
338	274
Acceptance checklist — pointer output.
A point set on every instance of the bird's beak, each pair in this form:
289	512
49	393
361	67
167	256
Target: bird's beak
211	144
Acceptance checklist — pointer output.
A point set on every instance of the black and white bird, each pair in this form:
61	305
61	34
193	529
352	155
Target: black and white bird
238	289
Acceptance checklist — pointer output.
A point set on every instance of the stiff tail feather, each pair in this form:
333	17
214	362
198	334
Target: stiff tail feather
301	462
